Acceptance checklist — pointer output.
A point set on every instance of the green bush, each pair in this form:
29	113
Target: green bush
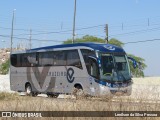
4	67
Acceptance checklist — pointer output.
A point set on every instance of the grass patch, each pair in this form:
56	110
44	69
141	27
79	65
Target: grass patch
26	103
8	96
14	102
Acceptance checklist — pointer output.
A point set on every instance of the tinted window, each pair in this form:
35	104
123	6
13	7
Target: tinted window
24	60
54	58
46	59
32	59
19	61
59	58
73	58
14	60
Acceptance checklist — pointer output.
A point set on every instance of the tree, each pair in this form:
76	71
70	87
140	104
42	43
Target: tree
85	38
135	72
138	71
116	42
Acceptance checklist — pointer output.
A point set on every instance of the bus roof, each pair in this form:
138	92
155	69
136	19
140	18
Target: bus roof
95	46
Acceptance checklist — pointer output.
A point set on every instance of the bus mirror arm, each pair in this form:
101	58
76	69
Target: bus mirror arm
134	62
140	66
92	57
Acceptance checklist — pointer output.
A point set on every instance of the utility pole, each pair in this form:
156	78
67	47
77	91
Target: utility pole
148	22
11	42
61	25
30	39
106	31
74	20
122	26
12	30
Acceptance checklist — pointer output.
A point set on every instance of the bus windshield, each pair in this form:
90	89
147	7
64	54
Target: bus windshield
115	67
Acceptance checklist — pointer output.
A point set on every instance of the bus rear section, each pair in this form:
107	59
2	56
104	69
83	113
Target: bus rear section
51	72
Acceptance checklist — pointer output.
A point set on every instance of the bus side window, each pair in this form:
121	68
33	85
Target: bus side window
46	59
32	59
59	58
24	60
73	59
14	60
19	61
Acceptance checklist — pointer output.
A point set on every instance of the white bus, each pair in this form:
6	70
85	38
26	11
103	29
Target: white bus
89	68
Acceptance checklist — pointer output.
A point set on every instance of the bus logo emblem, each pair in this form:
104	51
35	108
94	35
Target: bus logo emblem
110	48
39	81
70	73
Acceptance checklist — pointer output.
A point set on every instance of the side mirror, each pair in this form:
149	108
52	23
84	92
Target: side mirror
93	58
133	61
140	66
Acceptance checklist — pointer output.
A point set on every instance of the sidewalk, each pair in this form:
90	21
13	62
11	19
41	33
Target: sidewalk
4	83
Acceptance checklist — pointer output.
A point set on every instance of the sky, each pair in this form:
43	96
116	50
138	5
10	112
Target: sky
50	22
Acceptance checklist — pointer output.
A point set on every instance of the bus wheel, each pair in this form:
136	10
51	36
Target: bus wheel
78	92
53	95
29	91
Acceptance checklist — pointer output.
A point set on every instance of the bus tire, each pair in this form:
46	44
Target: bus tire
52	95
78	92
129	92
29	92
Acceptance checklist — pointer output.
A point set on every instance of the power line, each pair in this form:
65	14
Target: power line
84	28
133	42
142	41
139	31
42	32
65	32
37	39
7	36
148	21
128	33
78	29
14	29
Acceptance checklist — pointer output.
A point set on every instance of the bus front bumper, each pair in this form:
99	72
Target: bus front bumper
126	91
